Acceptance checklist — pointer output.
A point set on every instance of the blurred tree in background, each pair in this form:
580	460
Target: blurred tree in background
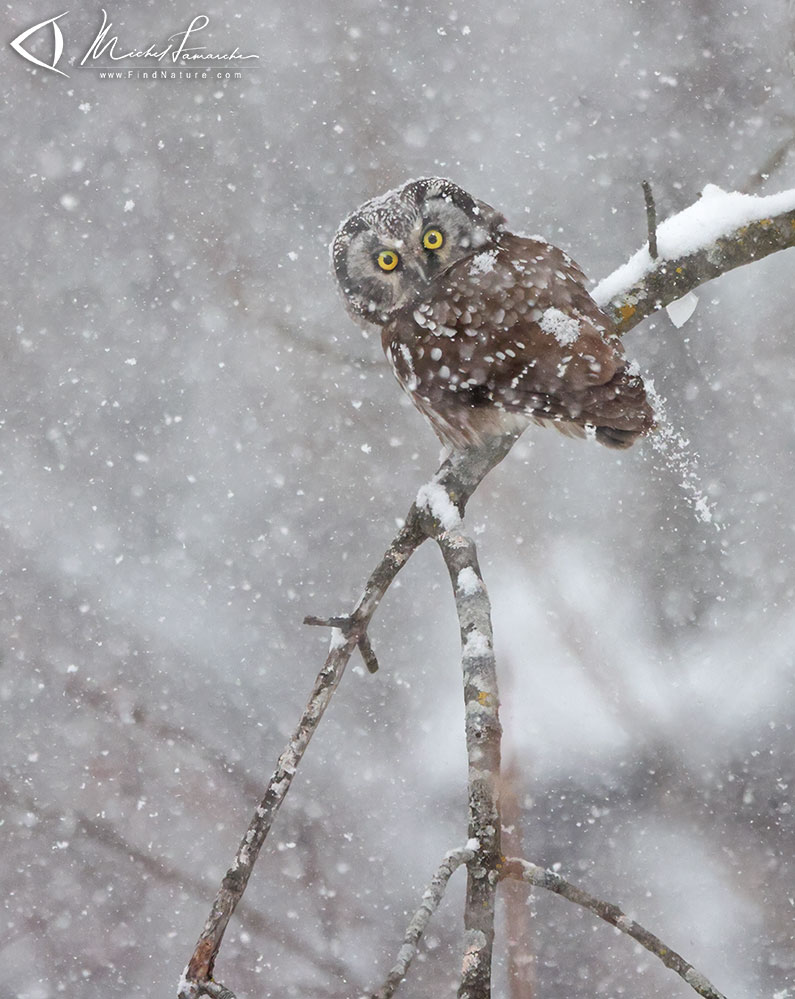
198	448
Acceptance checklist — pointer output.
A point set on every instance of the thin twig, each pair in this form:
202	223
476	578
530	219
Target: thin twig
522	870
651	218
368	655
431	898
342	623
351	625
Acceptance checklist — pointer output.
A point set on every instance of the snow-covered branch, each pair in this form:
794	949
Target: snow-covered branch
523	870
720	231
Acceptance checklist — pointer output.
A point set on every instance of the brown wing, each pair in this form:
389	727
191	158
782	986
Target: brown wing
512	334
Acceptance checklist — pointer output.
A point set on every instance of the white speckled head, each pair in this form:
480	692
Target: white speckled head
387	253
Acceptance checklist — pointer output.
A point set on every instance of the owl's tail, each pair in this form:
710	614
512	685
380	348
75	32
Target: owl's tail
617	412
619	439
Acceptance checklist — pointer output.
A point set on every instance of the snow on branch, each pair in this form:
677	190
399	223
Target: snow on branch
523	870
716	234
720	231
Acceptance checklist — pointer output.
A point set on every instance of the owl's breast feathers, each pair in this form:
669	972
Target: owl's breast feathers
510	335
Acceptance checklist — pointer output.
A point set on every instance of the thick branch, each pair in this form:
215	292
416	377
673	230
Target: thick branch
522	870
483	734
430	903
716	234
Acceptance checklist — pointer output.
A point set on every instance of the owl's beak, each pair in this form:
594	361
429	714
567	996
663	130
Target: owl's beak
418	268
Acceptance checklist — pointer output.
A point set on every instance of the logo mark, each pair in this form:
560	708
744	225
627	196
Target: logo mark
57	43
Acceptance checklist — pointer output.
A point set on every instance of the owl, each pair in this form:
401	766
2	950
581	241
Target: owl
486	331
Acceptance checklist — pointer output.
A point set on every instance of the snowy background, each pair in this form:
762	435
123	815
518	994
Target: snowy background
199	448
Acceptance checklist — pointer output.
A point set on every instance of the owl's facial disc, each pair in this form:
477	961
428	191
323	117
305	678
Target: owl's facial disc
387	253
377	271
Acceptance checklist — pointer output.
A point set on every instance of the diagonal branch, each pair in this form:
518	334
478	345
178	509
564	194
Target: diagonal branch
430	903
197	978
458	477
522	870
721	231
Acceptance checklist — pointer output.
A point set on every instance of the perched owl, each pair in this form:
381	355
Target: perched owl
485	330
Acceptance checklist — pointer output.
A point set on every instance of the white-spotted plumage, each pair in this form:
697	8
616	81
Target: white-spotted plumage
486	331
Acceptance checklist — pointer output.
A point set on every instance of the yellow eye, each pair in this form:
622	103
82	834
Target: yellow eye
388	260
433	239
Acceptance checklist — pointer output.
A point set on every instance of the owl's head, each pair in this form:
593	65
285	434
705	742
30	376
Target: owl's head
387	253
